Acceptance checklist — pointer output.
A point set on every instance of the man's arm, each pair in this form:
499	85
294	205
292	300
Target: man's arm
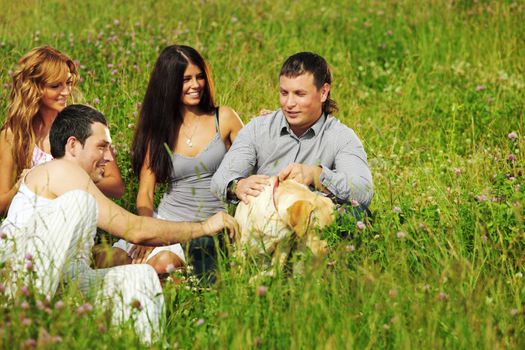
239	162
111	183
350	178
64	176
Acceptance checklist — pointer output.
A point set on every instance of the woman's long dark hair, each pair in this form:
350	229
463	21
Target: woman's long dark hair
160	116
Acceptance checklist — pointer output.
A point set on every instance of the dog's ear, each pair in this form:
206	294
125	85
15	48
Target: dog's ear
299	217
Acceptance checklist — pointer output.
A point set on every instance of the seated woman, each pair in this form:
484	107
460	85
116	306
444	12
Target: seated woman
42	83
180	139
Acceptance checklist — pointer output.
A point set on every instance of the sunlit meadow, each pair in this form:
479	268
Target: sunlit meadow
436	91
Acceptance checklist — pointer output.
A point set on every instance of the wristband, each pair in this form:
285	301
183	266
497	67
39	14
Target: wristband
232	187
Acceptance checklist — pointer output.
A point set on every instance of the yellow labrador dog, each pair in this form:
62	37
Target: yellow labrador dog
283	214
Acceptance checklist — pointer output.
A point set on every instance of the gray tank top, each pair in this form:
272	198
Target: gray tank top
188	197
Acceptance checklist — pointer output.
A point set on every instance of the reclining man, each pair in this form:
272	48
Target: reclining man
300	141
53	219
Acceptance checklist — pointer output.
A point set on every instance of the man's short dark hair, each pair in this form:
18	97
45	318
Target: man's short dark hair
309	62
74	120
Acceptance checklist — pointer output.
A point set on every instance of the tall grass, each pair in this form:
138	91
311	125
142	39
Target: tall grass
432	88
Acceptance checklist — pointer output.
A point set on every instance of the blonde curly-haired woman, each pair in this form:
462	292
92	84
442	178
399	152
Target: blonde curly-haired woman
42	83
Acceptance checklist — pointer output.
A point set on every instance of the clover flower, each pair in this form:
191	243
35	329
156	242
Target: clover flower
29	343
482	198
84	309
170	268
25	291
400	234
59	305
261	291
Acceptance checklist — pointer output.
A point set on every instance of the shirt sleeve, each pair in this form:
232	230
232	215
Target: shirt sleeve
350	177
239	162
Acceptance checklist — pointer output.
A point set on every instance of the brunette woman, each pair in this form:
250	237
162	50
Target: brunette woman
180	139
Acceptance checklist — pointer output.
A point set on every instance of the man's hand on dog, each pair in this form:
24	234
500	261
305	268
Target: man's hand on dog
304	174
220	222
251	186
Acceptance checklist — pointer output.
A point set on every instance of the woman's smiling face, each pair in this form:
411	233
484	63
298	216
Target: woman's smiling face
193	85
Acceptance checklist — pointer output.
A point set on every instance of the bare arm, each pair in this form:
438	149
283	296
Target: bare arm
146	191
8	187
114	219
230	124
111	183
144	204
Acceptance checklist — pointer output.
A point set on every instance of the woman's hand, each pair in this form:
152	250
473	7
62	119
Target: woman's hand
139	253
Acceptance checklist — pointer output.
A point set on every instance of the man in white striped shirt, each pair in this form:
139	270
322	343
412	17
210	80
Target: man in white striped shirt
53	220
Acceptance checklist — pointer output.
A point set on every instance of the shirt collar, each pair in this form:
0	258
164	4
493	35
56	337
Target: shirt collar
314	129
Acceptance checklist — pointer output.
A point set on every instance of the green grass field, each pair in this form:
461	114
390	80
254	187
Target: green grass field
432	88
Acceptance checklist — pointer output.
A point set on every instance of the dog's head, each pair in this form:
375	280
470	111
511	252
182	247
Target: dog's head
303	210
282	210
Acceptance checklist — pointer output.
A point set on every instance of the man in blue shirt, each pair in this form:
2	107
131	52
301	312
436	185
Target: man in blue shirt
300	141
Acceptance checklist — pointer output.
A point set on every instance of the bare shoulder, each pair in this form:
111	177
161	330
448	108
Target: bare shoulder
227	113
229	118
65	168
59	176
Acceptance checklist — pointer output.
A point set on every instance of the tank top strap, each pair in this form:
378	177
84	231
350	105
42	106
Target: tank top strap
217	119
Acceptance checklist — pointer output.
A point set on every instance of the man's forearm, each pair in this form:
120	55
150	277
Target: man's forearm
346	187
237	163
156	232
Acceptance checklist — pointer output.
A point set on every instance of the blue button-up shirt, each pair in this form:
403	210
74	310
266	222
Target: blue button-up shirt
266	145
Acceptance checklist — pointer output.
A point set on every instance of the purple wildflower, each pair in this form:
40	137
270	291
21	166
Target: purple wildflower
261	291
59	305
512	136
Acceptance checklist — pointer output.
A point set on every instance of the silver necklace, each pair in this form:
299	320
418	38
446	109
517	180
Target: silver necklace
189	138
